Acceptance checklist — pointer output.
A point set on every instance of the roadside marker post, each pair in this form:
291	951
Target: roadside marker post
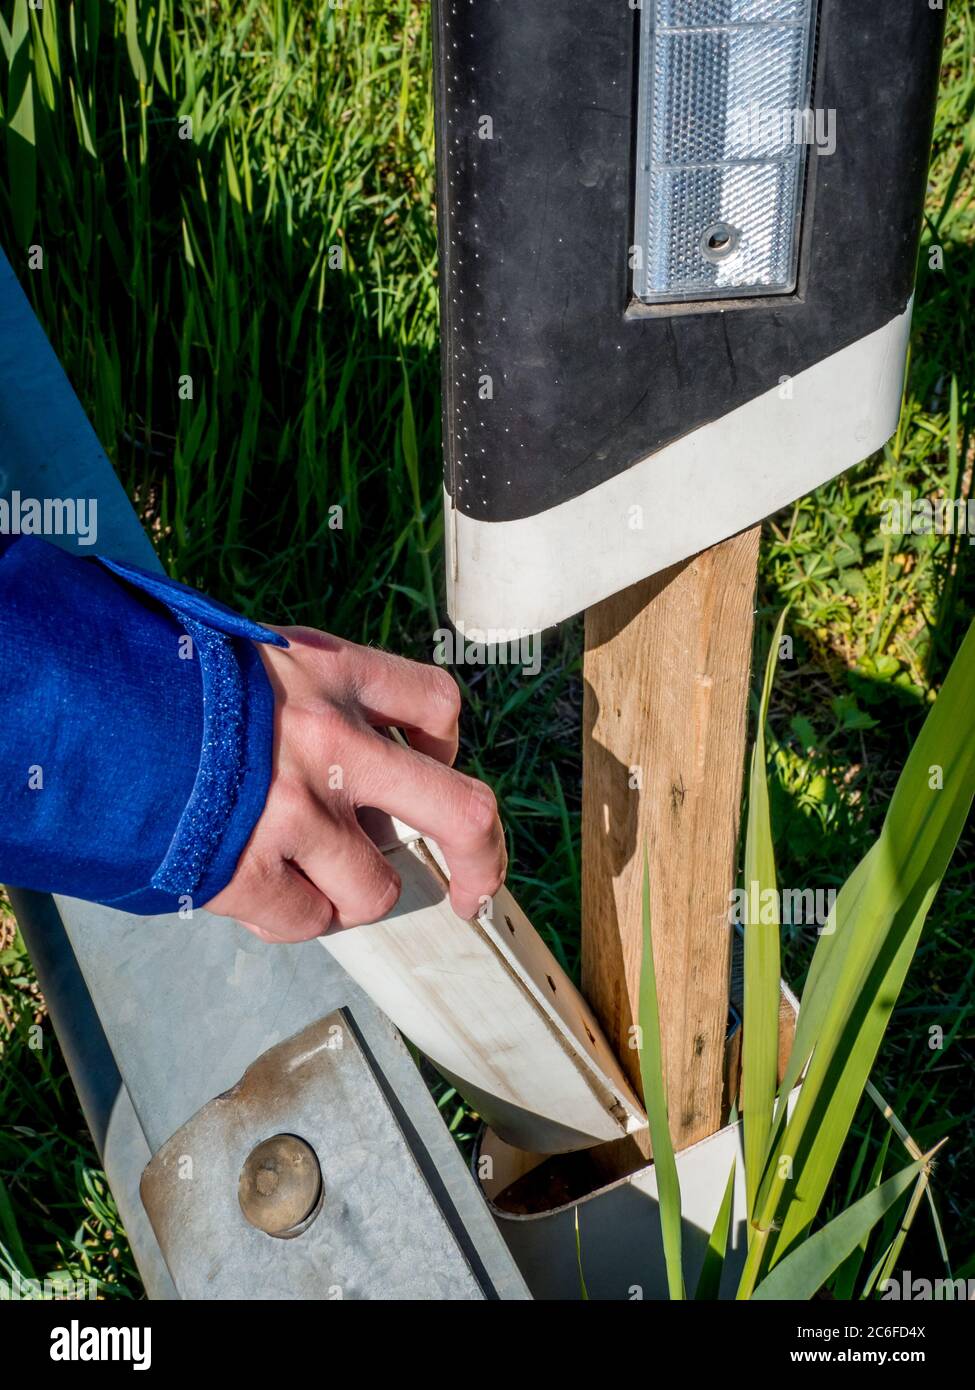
678	249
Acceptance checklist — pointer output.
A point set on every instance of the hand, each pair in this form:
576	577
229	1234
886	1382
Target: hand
308	865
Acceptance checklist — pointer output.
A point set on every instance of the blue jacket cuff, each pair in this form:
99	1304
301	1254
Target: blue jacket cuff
234	772
146	713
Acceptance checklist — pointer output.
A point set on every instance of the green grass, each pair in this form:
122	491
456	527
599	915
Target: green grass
57	1216
317	386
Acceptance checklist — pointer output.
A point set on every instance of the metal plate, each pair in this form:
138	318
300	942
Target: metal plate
380	1232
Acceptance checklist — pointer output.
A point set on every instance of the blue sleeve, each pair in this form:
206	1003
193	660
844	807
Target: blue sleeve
136	731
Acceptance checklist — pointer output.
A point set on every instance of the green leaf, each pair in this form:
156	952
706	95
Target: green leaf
760	1025
903	1230
859	969
709	1280
21	138
136	58
6	41
584	1292
42	69
803	731
10	1235
411	455
803	1273
655	1100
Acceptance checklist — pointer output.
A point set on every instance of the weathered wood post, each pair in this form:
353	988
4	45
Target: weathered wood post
666	692
676	295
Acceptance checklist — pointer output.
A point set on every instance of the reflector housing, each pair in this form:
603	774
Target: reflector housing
592	439
723	125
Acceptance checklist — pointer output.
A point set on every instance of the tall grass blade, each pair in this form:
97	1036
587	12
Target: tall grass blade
12	1241
803	1273
21	140
583	1290
903	1230
132	43
411	458
760	1025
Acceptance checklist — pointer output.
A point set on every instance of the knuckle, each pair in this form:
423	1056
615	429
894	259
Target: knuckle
445	691
292	802
376	903
482	810
497	881
492	881
344	663
389	896
264	873
500	872
326	730
320	916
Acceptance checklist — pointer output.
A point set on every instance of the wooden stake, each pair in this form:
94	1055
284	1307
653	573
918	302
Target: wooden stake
667	666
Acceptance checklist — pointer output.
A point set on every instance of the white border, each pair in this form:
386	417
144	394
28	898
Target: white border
525	575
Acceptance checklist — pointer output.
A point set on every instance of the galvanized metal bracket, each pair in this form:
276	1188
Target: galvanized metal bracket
365	1219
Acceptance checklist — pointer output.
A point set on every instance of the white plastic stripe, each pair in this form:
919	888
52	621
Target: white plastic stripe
518	577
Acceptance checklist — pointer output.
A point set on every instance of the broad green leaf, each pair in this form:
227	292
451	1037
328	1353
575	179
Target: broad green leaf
802	1274
655	1100
760	1025
709	1280
816	995
878	924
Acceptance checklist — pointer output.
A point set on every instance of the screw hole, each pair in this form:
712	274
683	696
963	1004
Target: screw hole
720	241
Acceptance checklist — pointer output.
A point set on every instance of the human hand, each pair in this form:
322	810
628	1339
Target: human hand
308	865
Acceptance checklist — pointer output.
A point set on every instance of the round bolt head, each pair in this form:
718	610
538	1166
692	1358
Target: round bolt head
280	1188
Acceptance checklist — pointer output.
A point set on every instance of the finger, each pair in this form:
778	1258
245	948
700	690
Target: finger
282	904
458	812
351	872
423	700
